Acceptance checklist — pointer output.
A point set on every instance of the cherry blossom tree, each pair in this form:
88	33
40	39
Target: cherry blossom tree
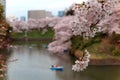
87	16
34	24
23	25
112	23
5	29
15	25
82	63
63	34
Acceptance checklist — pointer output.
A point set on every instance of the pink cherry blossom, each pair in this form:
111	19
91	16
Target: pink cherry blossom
89	15
112	23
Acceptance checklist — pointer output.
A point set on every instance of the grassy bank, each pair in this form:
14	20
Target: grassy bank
103	49
33	34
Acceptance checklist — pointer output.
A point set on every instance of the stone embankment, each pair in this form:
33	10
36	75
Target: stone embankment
109	61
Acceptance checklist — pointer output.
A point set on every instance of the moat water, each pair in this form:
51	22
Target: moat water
33	61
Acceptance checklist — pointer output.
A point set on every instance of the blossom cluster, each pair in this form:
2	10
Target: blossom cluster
30	24
82	63
62	37
89	14
112	23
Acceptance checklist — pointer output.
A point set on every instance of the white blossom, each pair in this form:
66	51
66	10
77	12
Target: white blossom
62	37
82	63
89	14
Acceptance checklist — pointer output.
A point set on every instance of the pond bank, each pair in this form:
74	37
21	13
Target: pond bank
31	39
98	61
109	61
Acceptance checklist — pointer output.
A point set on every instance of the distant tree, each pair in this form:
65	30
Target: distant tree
63	34
5	29
1	11
69	12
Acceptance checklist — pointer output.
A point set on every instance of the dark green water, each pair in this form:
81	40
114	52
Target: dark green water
33	62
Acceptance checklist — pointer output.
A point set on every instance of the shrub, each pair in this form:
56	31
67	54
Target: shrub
79	43
112	48
114	38
4	29
1	12
76	42
116	52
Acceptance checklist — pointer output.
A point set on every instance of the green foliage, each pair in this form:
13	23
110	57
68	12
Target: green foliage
1	11
116	52
69	12
114	38
112	48
101	35
76	42
79	43
33	34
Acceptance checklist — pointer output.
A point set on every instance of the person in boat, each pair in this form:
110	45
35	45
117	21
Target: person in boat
54	66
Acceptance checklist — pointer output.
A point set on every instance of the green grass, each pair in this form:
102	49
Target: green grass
104	53
17	34
99	47
33	34
95	53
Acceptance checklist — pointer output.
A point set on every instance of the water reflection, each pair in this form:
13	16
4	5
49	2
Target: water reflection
3	66
4	55
32	62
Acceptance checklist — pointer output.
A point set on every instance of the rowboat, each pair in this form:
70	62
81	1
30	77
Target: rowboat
59	68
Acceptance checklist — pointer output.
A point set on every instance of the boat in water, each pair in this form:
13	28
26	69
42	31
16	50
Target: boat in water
57	68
